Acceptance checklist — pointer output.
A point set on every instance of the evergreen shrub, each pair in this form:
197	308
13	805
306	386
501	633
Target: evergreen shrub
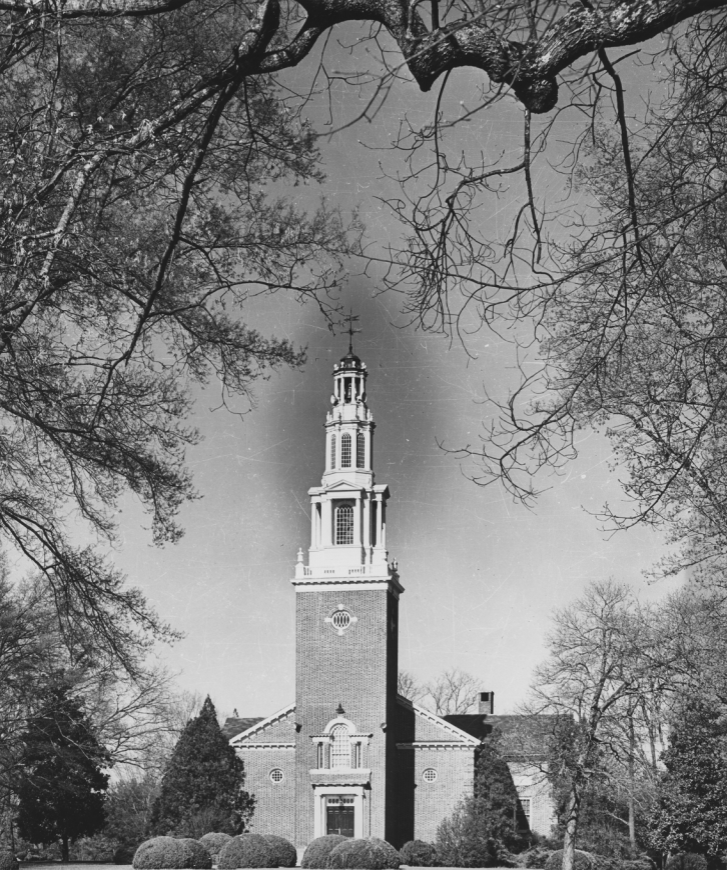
393	856
8	861
214	841
160	853
358	855
686	861
535	859
284	851
317	851
417	853
583	861
246	850
196	857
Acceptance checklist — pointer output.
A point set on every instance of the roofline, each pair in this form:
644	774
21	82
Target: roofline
260	726
437	720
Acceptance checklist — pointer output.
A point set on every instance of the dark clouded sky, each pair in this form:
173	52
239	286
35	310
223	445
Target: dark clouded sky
481	573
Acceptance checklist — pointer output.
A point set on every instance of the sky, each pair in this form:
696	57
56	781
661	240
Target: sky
482	574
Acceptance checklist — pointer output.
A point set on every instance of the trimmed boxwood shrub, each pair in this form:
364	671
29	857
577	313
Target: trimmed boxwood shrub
582	861
213	842
196	857
317	851
160	853
246	850
393	856
358	855
284	851
417	853
686	861
8	861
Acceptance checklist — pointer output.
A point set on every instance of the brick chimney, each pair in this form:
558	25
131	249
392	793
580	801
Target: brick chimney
487	703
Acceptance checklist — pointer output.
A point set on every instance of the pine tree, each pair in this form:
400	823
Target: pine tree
692	811
62	790
202	784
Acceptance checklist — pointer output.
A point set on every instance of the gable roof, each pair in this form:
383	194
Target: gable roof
450	731
523	736
256	725
234	725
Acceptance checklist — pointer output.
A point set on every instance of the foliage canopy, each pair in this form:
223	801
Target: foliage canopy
61	794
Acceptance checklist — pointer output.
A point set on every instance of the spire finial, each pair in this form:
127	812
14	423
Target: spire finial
351	331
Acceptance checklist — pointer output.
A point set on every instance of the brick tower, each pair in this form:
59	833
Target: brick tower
346	632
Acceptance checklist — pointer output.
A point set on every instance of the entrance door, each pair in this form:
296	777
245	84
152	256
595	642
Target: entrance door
339	815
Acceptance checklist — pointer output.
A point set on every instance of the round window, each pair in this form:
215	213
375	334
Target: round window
429	775
276	775
341	619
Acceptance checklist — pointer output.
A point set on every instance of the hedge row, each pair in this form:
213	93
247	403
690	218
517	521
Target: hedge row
246	850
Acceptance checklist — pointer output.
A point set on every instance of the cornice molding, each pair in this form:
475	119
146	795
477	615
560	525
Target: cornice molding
436	744
247	746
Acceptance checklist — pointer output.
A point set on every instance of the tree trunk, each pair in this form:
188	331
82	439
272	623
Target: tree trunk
64	848
632	786
572	809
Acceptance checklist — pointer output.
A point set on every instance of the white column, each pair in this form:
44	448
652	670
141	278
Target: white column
314	524
357	520
327	536
367	521
382	523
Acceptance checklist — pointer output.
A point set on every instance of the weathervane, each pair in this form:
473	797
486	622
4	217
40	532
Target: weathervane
351	331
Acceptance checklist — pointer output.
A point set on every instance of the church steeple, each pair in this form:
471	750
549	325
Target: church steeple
348	510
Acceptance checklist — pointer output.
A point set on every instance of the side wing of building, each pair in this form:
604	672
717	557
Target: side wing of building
524	742
267	749
434	770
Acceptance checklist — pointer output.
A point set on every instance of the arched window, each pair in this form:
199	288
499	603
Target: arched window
360	450
344	524
340	746
345	450
333	451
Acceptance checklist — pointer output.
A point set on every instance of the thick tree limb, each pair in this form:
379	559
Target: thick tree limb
529	67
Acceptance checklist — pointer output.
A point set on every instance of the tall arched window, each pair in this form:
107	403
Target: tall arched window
360	450
345	450
340	746
344	524
333	451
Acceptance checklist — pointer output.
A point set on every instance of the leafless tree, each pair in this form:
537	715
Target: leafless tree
453	692
137	143
599	683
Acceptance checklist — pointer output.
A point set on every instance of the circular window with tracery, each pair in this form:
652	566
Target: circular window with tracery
429	775
276	775
341	620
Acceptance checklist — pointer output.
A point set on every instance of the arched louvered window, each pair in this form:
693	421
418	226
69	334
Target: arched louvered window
333	451
340	746
360	450
344	524
345	450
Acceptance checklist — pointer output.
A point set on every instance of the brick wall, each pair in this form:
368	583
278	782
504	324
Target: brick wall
436	801
275	802
353	669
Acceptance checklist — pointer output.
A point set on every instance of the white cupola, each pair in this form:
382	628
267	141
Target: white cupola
348	510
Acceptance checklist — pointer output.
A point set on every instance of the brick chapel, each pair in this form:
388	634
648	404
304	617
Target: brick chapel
351	755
